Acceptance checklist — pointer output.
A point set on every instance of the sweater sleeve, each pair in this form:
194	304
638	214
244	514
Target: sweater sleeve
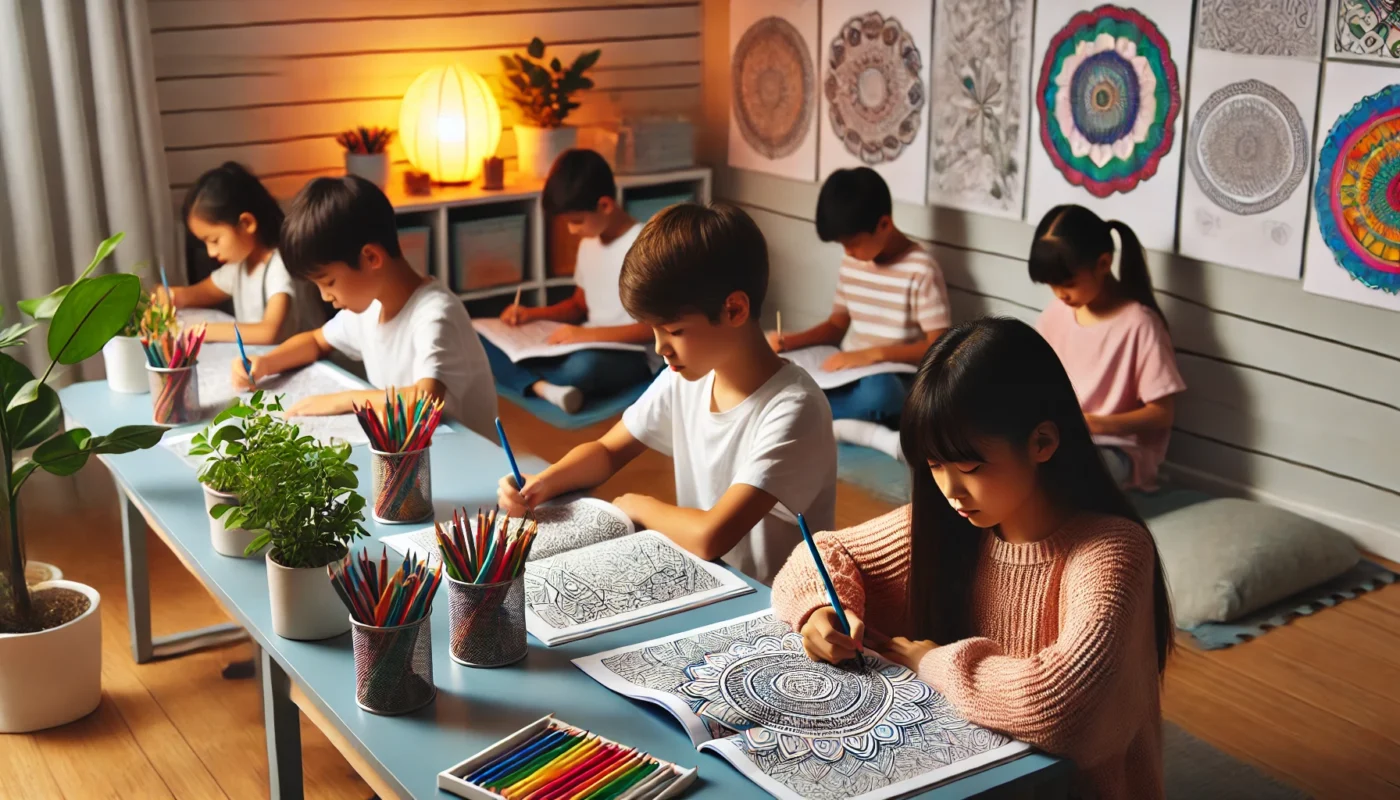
1055	698
870	559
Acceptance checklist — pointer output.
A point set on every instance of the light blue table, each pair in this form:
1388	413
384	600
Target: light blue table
474	707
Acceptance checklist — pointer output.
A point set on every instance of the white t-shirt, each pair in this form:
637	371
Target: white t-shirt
596	272
431	337
252	290
778	439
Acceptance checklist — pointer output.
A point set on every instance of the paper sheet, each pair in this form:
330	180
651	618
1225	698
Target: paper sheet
195	316
773	94
531	340
562	527
216	391
812	358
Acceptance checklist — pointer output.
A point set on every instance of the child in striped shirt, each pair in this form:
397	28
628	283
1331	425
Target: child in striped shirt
890	306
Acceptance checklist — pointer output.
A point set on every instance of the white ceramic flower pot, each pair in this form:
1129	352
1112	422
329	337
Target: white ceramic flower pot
536	148
126	365
373	167
41	571
227	541
52	677
304	605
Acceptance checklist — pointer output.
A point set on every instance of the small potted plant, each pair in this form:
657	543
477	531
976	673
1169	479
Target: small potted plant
298	495
226	445
544	93
367	153
123	357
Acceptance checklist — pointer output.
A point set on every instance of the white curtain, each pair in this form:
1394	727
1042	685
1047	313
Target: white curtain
81	155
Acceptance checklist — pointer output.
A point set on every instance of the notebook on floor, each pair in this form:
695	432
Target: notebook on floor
531	340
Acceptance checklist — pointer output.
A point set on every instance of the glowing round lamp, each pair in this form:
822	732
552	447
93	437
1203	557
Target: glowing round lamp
449	122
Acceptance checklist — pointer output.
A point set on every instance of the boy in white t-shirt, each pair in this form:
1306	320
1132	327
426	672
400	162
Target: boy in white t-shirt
750	434
580	188
408	329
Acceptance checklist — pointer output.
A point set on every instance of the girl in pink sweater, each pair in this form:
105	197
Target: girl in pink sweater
1020	582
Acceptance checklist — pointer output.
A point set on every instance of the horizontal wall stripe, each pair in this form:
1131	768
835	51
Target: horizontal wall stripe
255	25
184	15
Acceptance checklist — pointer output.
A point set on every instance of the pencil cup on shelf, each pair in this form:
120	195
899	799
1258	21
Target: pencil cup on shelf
174	394
393	666
403	485
487	622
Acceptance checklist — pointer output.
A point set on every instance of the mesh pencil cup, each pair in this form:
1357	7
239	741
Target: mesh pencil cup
403	486
174	394
393	666
487	622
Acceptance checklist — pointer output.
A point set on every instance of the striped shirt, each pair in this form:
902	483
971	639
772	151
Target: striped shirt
894	303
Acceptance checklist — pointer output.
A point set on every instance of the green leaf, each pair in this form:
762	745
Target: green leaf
218	511
555	65
585	83
536	48
43	308
258	543
13	336
21	474
31	422
103	250
65	453
92	313
126	439
27	393
508	63
584	61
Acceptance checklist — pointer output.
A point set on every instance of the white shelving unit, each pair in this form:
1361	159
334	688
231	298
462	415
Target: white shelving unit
519	195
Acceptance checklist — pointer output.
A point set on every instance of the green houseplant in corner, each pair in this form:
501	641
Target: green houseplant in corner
298	495
544	92
227	444
51	637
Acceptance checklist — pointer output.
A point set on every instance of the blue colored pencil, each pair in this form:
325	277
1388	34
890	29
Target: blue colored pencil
505	445
166	284
247	363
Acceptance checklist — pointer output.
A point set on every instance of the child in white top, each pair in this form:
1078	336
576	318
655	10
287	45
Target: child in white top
750	434
409	330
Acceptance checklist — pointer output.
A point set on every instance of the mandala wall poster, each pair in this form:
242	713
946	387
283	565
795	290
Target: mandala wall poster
1249	153
1289	28
1365	29
980	105
773	87
874	90
1108	99
1354	237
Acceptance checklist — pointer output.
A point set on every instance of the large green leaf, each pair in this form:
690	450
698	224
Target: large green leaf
92	313
31	423
42	308
126	439
65	453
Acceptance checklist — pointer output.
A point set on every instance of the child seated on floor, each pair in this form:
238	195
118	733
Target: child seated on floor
890	305
580	188
407	328
750	434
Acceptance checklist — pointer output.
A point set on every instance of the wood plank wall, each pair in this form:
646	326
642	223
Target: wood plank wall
270	82
1293	398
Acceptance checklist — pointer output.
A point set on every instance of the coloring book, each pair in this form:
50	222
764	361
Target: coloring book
812	358
531	340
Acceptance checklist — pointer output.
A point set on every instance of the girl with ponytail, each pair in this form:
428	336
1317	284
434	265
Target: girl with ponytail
1111	336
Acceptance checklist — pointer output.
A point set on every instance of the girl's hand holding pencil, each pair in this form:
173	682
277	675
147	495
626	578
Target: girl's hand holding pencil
243	378
823	640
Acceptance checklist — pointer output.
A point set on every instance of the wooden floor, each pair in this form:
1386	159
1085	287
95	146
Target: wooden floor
1316	704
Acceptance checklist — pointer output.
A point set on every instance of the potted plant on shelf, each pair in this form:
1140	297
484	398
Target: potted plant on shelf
544	93
226	444
123	357
367	153
298	495
51	633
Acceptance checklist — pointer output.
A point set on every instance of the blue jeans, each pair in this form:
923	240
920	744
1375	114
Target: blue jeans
874	398
596	373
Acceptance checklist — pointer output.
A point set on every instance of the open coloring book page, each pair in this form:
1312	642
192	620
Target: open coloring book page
216	391
745	690
195	316
812	358
531	340
562	526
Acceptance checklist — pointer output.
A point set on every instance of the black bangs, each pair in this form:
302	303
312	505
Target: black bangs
1051	262
940	420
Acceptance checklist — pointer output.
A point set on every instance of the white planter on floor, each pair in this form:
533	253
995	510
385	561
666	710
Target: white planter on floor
125	361
536	148
41	571
52	677
227	541
304	605
373	167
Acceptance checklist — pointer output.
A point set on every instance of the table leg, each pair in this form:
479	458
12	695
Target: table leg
282	723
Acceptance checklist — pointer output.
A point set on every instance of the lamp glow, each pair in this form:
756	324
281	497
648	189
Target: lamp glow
449	123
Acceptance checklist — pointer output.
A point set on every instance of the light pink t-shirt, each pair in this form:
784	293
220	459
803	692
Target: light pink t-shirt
1118	365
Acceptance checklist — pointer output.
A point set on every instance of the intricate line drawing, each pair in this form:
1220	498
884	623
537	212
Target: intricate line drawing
1261	27
1248	147
1357	197
576	524
773	87
979	94
1108	97
874	89
1368	28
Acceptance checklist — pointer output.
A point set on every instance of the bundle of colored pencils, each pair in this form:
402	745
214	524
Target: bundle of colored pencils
170	350
396	429
566	762
174	351
492	554
376	598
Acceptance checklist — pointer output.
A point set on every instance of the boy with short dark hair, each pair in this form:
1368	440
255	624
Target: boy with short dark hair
408	329
580	188
750	434
891	304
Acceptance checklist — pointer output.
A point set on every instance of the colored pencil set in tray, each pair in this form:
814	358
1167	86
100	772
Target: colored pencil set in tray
553	760
170	365
399	435
486	586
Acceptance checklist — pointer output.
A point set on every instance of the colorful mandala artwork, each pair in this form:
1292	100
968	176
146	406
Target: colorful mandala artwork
1357	197
874	89
1248	147
1108	98
774	88
1367	28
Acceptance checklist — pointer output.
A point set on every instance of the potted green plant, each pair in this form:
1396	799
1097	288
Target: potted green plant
545	95
367	153
226	445
123	356
51	633
298	496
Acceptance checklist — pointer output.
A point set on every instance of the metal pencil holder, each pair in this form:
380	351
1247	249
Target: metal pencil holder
403	486
393	666
174	395
487	625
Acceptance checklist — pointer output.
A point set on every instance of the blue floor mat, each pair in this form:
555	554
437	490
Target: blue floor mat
594	411
873	471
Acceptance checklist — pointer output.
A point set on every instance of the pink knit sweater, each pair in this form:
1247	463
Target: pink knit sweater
1063	655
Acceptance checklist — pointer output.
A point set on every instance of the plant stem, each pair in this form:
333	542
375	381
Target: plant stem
19	589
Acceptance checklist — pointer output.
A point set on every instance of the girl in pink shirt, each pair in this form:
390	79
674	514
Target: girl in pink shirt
1020	583
1111	336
